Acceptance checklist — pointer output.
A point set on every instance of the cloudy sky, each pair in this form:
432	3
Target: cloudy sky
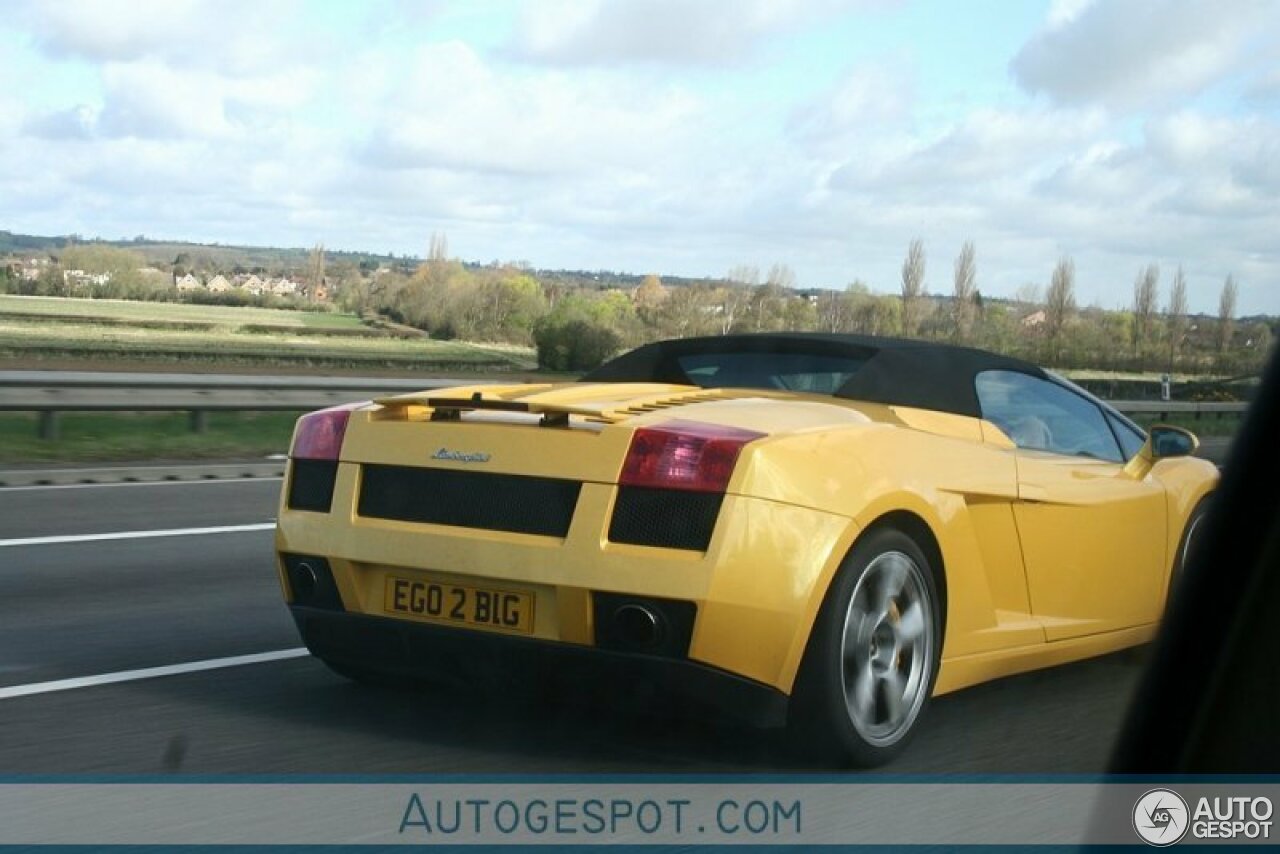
674	136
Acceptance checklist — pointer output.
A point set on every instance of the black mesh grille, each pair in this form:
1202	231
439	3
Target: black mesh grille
496	502
670	518
311	484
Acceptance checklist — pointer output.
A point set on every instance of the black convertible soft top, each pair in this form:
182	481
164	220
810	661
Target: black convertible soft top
895	371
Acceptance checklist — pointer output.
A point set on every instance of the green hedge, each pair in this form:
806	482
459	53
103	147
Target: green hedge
574	345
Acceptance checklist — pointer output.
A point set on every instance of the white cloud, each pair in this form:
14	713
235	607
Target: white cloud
869	96
1142	53
452	110
232	36
1065	11
986	148
149	100
677	32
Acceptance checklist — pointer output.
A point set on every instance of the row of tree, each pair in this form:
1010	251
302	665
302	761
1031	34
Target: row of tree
574	327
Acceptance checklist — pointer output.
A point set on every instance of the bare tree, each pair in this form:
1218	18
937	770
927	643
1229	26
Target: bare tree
913	288
744	274
315	272
736	295
1060	302
1176	314
766	307
1227	314
1146	295
685	311
833	314
438	250
1027	294
727	304
782	276
965	288
650	293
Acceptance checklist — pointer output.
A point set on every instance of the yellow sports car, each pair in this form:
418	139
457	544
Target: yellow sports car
825	529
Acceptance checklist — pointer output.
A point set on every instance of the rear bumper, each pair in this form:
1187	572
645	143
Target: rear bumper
418	651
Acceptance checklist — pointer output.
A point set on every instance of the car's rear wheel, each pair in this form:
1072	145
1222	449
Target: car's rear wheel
1195	523
873	657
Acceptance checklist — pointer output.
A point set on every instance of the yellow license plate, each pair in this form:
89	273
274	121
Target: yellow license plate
486	607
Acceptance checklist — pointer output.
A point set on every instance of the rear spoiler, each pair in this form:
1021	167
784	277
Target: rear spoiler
555	413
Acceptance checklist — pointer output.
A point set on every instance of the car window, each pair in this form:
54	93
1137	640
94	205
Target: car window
1044	416
805	372
1131	438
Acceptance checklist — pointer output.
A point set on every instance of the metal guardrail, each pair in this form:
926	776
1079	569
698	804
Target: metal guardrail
49	393
52	392
1197	409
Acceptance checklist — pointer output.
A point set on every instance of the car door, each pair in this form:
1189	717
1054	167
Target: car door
1092	535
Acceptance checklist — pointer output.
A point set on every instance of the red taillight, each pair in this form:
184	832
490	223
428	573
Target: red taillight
684	455
319	434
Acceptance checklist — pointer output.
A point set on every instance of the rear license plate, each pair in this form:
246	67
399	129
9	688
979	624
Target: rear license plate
486	607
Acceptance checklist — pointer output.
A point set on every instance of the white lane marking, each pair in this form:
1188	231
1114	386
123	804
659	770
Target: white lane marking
149	673
4	489
136	535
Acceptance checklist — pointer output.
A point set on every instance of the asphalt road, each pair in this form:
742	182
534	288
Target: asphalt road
73	608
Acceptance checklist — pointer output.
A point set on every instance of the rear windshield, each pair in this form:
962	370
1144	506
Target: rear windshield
802	372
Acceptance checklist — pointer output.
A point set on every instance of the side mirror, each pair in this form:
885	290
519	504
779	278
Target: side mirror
1169	441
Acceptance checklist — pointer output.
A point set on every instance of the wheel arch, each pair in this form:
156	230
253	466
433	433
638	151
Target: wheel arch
919	531
902	519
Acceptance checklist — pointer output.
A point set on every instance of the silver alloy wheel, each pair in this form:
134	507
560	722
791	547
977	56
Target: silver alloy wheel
887	648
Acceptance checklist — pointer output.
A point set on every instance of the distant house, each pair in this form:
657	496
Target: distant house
218	284
32	268
256	286
284	286
1034	320
80	277
188	283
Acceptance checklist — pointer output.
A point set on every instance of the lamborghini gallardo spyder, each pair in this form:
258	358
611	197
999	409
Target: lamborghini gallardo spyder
820	530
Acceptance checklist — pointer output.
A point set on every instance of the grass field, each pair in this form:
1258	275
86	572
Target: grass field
145	436
102	334
212	315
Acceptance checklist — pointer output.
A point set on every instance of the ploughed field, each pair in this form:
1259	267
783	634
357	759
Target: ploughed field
57	332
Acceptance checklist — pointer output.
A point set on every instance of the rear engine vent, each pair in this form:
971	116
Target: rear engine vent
494	502
311	484
667	518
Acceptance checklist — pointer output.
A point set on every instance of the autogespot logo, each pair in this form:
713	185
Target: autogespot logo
1160	817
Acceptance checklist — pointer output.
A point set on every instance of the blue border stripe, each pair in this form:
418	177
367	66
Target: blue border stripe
549	849
851	778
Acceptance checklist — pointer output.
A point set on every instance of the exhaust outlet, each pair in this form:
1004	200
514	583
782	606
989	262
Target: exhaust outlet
643	625
637	626
305	580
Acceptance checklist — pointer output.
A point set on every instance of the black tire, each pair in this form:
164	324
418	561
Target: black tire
843	710
1189	531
